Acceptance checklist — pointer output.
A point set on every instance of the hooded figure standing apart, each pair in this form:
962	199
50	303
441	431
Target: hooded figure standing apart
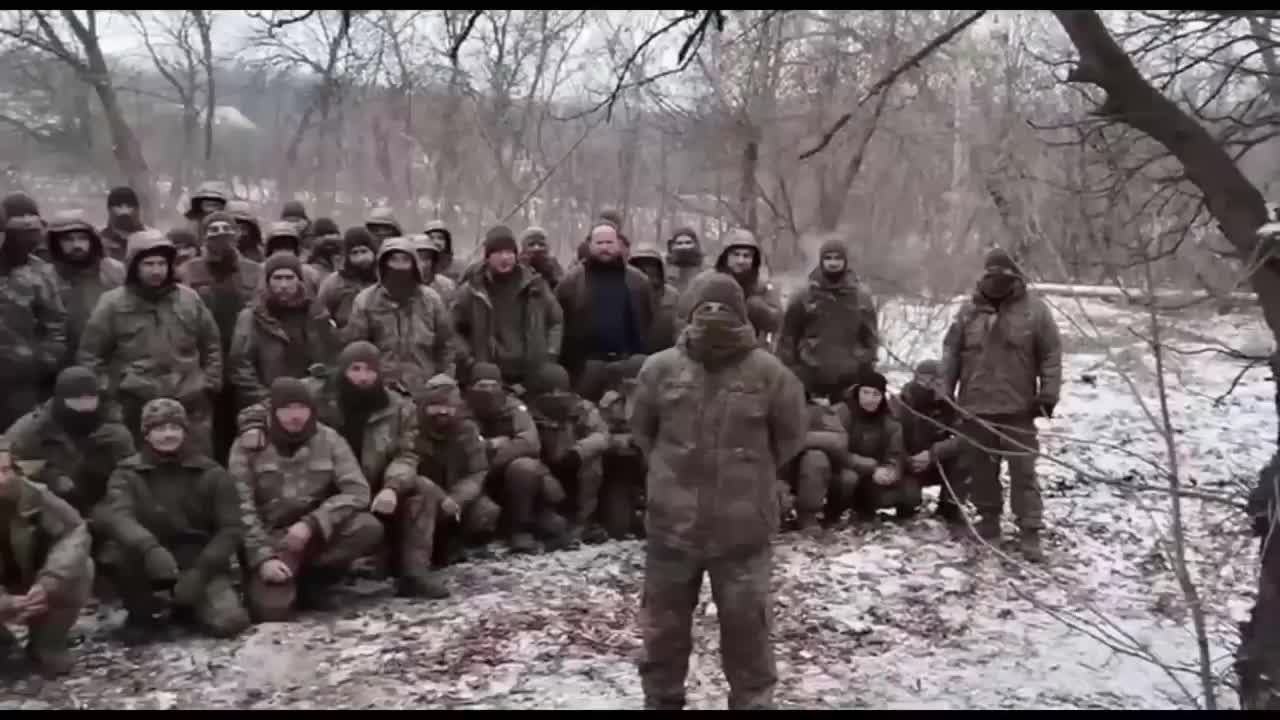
1004	353
717	417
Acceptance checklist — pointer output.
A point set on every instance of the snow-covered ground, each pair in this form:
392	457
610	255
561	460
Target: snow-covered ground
888	616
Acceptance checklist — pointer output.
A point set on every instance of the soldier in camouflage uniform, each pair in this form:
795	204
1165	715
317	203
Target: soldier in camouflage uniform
46	574
124	218
284	333
382	225
574	440
816	473
209	198
535	254
1004	353
155	338
830	329
684	258
283	237
452	455
407	322
33	322
381	427
437	230
517	478
428	250
623	465
186	243
70	444
326	255
873	462
742	259
662	334
718	418
248	230
82	270
304	508
171	524
932	449
359	270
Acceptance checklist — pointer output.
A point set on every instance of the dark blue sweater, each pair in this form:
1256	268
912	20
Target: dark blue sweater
613	328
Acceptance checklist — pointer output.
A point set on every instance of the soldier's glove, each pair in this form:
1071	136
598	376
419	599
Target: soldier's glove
160	566
1045	406
189	588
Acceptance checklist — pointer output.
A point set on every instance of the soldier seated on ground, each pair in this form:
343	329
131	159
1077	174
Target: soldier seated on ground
624	467
516	478
304	508
170	525
932	449
815	474
574	440
46	575
873	465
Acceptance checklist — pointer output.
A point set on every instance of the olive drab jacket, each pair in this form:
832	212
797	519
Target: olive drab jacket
415	337
86	462
48	543
830	330
826	433
926	425
538	312
875	439
262	349
516	423
80	285
715	441
189	507
146	349
321	484
584	430
1003	358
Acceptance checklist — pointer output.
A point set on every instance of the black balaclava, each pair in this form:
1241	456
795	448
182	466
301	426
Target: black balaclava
1002	276
549	389
287	391
400	284
486	403
75	382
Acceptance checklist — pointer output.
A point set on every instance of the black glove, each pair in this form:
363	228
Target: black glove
1044	407
160	566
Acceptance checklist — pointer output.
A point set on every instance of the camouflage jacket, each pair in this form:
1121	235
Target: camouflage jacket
414	337
75	468
190	508
262	350
145	349
388	449
321	484
583	431
33	326
516	424
875	440
1003	358
48	543
826	432
337	294
681	276
715	442
541	320
80	288
829	330
764	308
456	460
225	296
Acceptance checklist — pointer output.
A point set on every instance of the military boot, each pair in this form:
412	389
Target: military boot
419	584
1029	546
523	543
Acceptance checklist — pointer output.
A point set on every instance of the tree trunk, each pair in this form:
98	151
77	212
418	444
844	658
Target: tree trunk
126	148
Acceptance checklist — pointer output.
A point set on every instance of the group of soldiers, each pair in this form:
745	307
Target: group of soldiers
223	422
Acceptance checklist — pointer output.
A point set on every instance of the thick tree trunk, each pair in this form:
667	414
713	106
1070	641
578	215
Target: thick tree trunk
126	148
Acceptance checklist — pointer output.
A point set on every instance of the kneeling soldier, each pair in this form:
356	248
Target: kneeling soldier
874	460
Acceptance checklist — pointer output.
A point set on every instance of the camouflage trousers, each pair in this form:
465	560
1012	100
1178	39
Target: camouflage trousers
49	632
740	588
321	561
581	490
622	494
528	494
410	531
1018	447
217	611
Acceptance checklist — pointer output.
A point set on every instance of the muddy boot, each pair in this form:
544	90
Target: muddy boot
594	534
421	585
523	543
1029	546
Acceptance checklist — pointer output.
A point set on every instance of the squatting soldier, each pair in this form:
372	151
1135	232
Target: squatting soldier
622	492
171	523
875	451
46	574
304	503
407	322
1004	353
574	440
82	270
359	271
381	426
830	329
155	338
452	454
815	474
33	322
718	418
69	443
517	479
932	449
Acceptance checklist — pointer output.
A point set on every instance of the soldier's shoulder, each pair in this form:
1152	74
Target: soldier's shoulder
114	296
27	427
186	294
514	405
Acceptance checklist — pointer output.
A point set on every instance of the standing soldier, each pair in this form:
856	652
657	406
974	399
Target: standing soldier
648	260
326	253
70	441
428	249
304	508
741	259
684	258
172	523
209	198
535	253
830	329
33	322
82	269
153	338
295	213
608	312
248	230
46	574
359	271
124	217
718	417
440	232
285	333
505	314
1004	353
404	320
283	237
382	225
186	243
933	450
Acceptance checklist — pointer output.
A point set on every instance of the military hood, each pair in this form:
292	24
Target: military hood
684	231
439	226
383	216
648	251
532	232
397	244
71	221
208	190
739	238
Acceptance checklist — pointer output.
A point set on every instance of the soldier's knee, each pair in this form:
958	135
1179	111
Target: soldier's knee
815	462
524	473
481	517
847	481
365	531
